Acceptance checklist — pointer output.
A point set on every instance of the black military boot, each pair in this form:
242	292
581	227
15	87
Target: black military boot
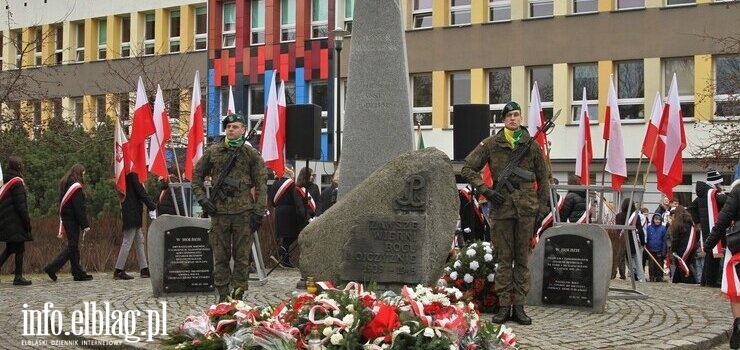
735	337
519	316
502	315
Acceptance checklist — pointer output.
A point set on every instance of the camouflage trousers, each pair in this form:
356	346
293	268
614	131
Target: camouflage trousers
512	240
230	234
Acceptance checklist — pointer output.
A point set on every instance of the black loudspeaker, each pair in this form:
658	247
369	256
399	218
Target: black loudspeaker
470	127
303	132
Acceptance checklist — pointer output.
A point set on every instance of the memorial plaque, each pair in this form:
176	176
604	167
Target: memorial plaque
384	249
568	272
188	260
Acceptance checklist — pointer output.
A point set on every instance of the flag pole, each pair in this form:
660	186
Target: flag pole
603	169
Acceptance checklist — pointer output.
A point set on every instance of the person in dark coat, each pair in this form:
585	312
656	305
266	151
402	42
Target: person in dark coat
574	204
473	224
286	201
656	237
14	218
310	206
730	212
700	214
635	246
329	193
166	204
131	210
73	215
682	244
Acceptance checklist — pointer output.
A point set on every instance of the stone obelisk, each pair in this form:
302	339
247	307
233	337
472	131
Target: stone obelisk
377	122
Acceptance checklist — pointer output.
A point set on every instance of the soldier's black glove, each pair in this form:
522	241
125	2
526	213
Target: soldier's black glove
494	197
255	221
207	206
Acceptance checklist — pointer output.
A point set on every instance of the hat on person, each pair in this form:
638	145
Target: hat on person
713	177
511	106
232	118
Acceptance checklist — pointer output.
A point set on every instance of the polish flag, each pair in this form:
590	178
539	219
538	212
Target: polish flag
673	143
157	162
536	117
196	139
487	176
121	158
616	163
649	146
272	144
584	152
231	109
141	128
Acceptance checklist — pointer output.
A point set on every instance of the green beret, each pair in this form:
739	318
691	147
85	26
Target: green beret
232	118
511	106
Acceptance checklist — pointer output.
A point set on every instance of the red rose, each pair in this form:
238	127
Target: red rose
220	310
368	300
384	322
478	284
459	282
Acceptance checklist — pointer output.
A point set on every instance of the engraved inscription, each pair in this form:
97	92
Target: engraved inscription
568	271
188	260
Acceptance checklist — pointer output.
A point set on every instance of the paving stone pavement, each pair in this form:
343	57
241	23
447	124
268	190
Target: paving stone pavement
673	317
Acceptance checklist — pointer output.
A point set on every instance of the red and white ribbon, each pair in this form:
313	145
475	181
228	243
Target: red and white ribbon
6	187
547	222
686	253
67	196
307	196
730	281
281	191
712	213
325	285
474	202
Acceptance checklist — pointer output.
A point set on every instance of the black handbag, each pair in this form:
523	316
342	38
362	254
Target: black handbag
733	238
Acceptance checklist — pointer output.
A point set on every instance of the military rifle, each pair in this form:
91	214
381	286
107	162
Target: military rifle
217	188
512	168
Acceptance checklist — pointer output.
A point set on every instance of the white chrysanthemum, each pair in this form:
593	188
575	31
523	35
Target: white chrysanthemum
328	321
328	331
441	282
336	339
487	249
488	257
429	332
457	264
350	308
453	347
336	312
474	265
470	253
490	277
348	319
453	275
448	269
458	294
473	245
403	329
468	278
438	333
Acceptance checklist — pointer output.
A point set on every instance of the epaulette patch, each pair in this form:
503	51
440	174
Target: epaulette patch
481	144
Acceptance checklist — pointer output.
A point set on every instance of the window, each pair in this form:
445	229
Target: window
422	13
287	20
543	76
149	34
684	69
15	111
80	44
319	19
630	4
122	108
680	2
499	10
258	22
256	104
39	38
172	101
630	89
499	92
421	87
201	28
459	12
224	100
459	90
727	95
349	11
585	6
174	31
320	96
79	110
540	8
228	29
36	104
100	109
57	108
585	75
125	36
19	49
102	38
58	44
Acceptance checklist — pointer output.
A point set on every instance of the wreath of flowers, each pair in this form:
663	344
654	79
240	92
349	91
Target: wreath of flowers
352	318
471	269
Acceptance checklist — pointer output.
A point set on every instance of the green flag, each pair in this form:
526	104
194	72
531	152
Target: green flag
421	139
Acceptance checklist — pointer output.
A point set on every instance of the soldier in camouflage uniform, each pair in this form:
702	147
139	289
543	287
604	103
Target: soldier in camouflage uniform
234	213
513	214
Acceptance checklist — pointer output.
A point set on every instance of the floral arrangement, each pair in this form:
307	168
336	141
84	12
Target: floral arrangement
352	318
471	270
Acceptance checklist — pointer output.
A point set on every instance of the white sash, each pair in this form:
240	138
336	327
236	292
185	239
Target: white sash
67	196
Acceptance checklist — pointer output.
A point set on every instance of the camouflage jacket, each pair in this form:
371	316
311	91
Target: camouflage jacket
524	200
248	172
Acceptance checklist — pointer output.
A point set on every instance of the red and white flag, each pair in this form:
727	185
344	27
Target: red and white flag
673	136
122	159
141	128
649	146
272	144
536	117
196	139
616	162
584	151
157	162
231	109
